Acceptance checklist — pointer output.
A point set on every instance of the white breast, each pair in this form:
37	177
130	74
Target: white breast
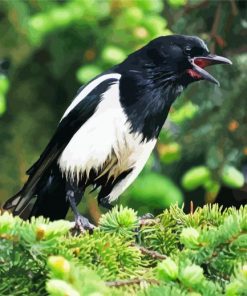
92	143
104	136
137	158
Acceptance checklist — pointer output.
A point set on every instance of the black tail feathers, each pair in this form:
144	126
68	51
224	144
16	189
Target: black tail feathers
45	198
51	202
12	201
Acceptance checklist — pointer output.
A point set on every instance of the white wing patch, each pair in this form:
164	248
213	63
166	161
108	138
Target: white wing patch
104	138
92	144
88	89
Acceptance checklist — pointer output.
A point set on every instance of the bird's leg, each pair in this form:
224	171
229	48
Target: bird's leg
74	195
104	202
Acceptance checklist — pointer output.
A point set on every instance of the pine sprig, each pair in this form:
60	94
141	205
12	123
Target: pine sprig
202	253
120	220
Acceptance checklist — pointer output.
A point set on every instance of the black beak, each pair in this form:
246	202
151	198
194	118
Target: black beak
199	63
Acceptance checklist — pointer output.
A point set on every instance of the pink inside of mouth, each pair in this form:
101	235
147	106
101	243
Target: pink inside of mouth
202	63
194	74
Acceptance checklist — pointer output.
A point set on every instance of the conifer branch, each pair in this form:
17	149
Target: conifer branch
121	283
43	255
151	253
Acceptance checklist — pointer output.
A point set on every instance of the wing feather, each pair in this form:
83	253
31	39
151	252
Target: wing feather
71	122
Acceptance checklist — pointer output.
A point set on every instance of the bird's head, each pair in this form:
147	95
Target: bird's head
178	58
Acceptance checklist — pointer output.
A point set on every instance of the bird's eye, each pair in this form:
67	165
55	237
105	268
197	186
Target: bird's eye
187	50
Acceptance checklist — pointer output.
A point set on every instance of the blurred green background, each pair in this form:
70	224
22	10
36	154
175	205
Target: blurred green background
56	46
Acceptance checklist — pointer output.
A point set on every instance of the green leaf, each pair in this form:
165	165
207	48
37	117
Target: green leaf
133	16
150	6
87	73
155	25
195	177
40	23
113	55
212	186
2	104
4	84
187	111
232	177
170	152
177	3
155	191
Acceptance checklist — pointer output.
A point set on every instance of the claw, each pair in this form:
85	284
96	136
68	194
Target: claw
82	224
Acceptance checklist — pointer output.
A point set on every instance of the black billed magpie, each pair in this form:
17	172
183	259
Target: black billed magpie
108	132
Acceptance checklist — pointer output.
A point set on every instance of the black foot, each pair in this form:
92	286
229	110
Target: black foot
82	224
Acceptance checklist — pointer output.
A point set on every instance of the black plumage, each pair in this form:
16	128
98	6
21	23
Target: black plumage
109	130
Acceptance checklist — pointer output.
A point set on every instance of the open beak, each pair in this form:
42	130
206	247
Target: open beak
199	63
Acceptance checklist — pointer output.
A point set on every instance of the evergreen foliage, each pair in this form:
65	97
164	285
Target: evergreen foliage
201	253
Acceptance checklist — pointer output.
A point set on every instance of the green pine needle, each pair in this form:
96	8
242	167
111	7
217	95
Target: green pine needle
119	220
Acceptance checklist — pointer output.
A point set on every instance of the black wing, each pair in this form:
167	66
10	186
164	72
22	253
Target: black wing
66	129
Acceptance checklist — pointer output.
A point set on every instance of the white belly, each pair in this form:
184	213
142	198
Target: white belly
106	137
136	157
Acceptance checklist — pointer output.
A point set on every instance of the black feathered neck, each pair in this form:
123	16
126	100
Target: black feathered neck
146	94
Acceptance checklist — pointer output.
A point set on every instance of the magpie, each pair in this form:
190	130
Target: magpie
109	130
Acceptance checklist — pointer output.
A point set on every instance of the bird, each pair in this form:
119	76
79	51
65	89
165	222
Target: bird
109	130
